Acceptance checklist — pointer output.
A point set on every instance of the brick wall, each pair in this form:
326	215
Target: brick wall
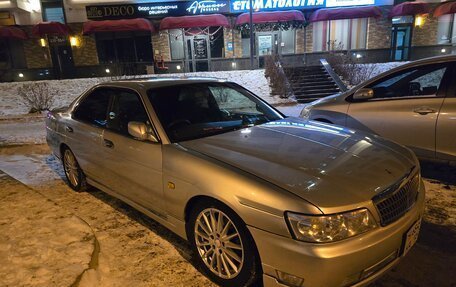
309	38
160	45
35	55
379	31
427	34
299	41
86	54
232	35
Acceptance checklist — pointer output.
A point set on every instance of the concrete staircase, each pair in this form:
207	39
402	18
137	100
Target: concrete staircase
311	83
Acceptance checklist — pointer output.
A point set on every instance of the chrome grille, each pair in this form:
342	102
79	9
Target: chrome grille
396	201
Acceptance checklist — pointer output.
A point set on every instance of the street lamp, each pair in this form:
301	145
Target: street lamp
251	35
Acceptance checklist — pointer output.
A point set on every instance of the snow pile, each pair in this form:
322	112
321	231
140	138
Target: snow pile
41	244
68	90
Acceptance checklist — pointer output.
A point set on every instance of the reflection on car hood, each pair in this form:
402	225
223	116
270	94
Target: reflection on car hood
328	165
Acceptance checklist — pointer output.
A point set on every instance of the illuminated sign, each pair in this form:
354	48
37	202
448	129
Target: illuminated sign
238	6
160	9
343	3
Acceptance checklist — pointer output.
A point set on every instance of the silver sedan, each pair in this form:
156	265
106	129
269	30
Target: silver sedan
414	105
260	197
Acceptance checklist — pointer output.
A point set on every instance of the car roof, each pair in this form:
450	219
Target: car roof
156	82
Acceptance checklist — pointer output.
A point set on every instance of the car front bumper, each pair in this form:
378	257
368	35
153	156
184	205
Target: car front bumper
352	262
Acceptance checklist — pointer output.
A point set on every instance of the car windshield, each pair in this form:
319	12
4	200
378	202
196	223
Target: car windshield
192	111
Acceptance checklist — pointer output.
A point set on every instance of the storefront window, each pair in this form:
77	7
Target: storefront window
217	43
446	29
340	34
53	11
12	54
288	41
123	47
4	55
245	44
176	43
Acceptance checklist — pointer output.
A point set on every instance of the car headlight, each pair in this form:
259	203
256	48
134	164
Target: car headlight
329	228
305	113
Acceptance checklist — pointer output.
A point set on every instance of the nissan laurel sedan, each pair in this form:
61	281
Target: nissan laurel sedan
261	198
414	105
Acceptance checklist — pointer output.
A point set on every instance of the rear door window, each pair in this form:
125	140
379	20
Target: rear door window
94	107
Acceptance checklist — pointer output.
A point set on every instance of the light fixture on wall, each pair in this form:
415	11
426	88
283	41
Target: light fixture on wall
43	42
178	67
443	50
233	65
21	75
107	71
74	41
419	20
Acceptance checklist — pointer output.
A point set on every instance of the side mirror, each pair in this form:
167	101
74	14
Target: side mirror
363	94
141	131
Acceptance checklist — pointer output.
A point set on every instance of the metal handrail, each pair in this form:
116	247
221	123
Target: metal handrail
334	76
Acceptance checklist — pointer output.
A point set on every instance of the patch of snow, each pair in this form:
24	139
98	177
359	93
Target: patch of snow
68	90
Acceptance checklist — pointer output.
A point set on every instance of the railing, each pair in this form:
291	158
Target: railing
334	76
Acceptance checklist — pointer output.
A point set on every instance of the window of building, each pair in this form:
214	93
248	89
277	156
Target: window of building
12	54
124	47
53	11
288	41
446	33
245	41
343	34
217	42
176	43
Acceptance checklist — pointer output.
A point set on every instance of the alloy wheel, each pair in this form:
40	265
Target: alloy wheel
219	243
71	168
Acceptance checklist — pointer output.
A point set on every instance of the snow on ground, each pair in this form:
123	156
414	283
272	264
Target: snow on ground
41	244
133	249
68	90
136	251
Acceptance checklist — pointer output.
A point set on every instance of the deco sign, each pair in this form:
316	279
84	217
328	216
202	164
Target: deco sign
150	10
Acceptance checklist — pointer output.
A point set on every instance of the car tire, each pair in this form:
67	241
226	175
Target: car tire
234	260
73	172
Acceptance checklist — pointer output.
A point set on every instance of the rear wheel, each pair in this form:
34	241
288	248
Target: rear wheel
224	246
74	175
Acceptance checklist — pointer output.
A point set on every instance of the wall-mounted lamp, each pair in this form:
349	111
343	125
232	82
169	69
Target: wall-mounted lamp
443	50
21	75
107	71
178	67
358	56
419	20
233	65
43	42
74	41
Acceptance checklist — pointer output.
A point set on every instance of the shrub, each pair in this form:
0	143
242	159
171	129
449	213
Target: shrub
37	96
347	67
277	78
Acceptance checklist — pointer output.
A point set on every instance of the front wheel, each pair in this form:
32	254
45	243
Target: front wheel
74	175
224	246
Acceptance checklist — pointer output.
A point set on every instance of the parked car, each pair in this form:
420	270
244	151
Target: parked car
413	104
260	197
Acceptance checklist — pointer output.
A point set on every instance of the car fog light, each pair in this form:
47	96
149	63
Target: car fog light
290	280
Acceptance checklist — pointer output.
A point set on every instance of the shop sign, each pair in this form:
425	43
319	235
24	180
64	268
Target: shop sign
160	9
239	6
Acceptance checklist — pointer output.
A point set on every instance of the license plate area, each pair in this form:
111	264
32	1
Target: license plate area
410	237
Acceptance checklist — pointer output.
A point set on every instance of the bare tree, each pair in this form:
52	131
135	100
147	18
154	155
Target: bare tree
37	96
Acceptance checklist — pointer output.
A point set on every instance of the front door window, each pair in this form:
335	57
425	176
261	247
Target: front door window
198	53
401	42
265	45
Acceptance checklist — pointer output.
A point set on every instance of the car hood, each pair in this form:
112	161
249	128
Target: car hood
327	165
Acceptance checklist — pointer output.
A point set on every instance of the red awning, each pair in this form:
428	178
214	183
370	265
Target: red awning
266	17
50	28
409	8
12	32
445	8
138	24
345	13
194	21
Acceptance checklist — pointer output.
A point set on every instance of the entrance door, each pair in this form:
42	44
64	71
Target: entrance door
267	44
198	53
401	41
62	60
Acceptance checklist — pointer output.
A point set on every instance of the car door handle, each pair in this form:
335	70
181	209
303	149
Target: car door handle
69	129
424	111
108	143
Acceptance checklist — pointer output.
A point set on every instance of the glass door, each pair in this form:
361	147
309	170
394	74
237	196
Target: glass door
401	41
198	53
267	44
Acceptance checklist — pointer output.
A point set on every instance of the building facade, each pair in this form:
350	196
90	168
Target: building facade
103	38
